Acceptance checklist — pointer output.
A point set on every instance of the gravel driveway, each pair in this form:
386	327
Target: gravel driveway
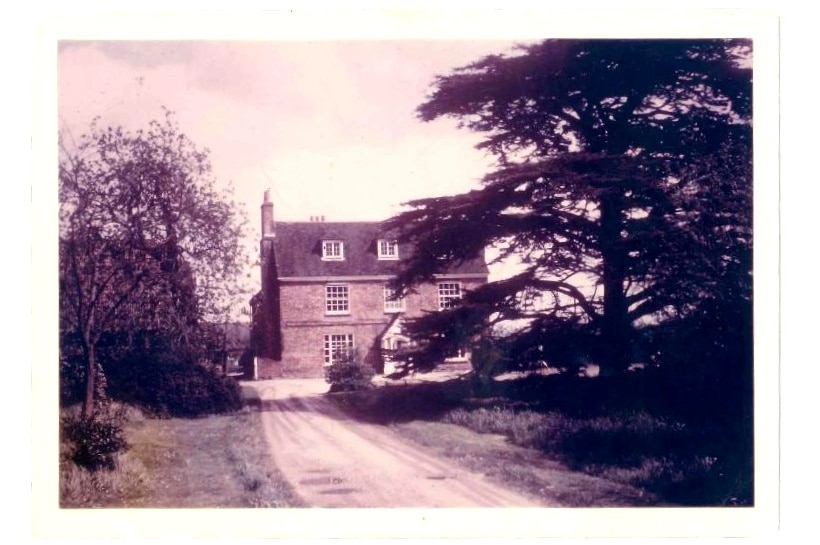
332	460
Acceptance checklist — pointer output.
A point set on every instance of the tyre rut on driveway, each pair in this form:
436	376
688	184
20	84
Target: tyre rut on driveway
332	460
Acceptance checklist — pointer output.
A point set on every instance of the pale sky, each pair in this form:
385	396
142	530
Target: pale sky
329	126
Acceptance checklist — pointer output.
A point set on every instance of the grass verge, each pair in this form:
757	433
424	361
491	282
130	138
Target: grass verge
664	457
620	432
217	461
524	470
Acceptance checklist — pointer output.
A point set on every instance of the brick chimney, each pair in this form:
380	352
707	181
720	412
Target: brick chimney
267	216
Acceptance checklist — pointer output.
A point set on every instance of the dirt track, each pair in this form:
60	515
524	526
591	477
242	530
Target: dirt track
334	461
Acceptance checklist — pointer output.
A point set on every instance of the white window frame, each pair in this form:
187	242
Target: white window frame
337	299
392	303
388	249
335	343
333	250
449	293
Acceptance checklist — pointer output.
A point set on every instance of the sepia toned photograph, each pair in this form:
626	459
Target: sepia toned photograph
406	273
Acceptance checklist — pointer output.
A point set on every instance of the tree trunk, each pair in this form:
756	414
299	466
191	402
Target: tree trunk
484	360
481	385
616	328
90	377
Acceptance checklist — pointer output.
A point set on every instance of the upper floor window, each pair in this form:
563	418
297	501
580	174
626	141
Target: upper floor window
449	294
392	303
333	250
337	300
388	249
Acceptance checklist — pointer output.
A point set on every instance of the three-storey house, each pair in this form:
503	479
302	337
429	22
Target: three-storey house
325	291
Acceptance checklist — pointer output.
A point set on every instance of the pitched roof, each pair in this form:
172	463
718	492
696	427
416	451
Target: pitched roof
298	251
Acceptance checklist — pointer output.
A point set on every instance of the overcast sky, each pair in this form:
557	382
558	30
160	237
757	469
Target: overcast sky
329	126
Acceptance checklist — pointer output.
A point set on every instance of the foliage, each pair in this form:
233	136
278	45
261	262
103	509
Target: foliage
168	388
622	189
173	462
72	377
637	428
95	440
147	244
348	373
667	457
157	373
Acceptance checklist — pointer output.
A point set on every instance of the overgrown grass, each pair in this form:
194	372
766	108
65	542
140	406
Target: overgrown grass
218	461
679	446
527	471
249	456
662	456
82	486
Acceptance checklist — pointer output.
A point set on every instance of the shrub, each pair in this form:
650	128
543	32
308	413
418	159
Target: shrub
193	390
683	463
623	440
175	389
347	373
94	441
72	379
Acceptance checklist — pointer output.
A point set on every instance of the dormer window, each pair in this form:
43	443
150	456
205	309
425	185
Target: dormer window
388	249
333	250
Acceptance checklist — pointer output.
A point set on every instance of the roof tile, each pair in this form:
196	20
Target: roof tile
298	250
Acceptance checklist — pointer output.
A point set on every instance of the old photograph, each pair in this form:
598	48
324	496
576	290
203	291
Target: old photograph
434	274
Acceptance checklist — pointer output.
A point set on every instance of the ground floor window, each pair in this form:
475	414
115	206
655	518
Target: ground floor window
337	346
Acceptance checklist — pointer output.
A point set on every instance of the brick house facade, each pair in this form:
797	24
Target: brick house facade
324	289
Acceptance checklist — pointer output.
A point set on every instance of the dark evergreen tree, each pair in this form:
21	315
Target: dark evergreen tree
623	187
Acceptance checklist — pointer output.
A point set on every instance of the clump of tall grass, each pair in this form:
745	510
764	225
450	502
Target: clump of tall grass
637	448
91	448
263	484
524	428
262	488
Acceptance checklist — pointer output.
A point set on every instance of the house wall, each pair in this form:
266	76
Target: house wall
304	323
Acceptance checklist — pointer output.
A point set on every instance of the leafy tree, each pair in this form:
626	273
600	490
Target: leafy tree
622	187
146	241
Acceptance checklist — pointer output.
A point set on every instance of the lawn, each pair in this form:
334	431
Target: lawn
215	461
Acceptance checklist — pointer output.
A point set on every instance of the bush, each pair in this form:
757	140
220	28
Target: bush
94	441
348	374
623	440
684	463
184	390
72	379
